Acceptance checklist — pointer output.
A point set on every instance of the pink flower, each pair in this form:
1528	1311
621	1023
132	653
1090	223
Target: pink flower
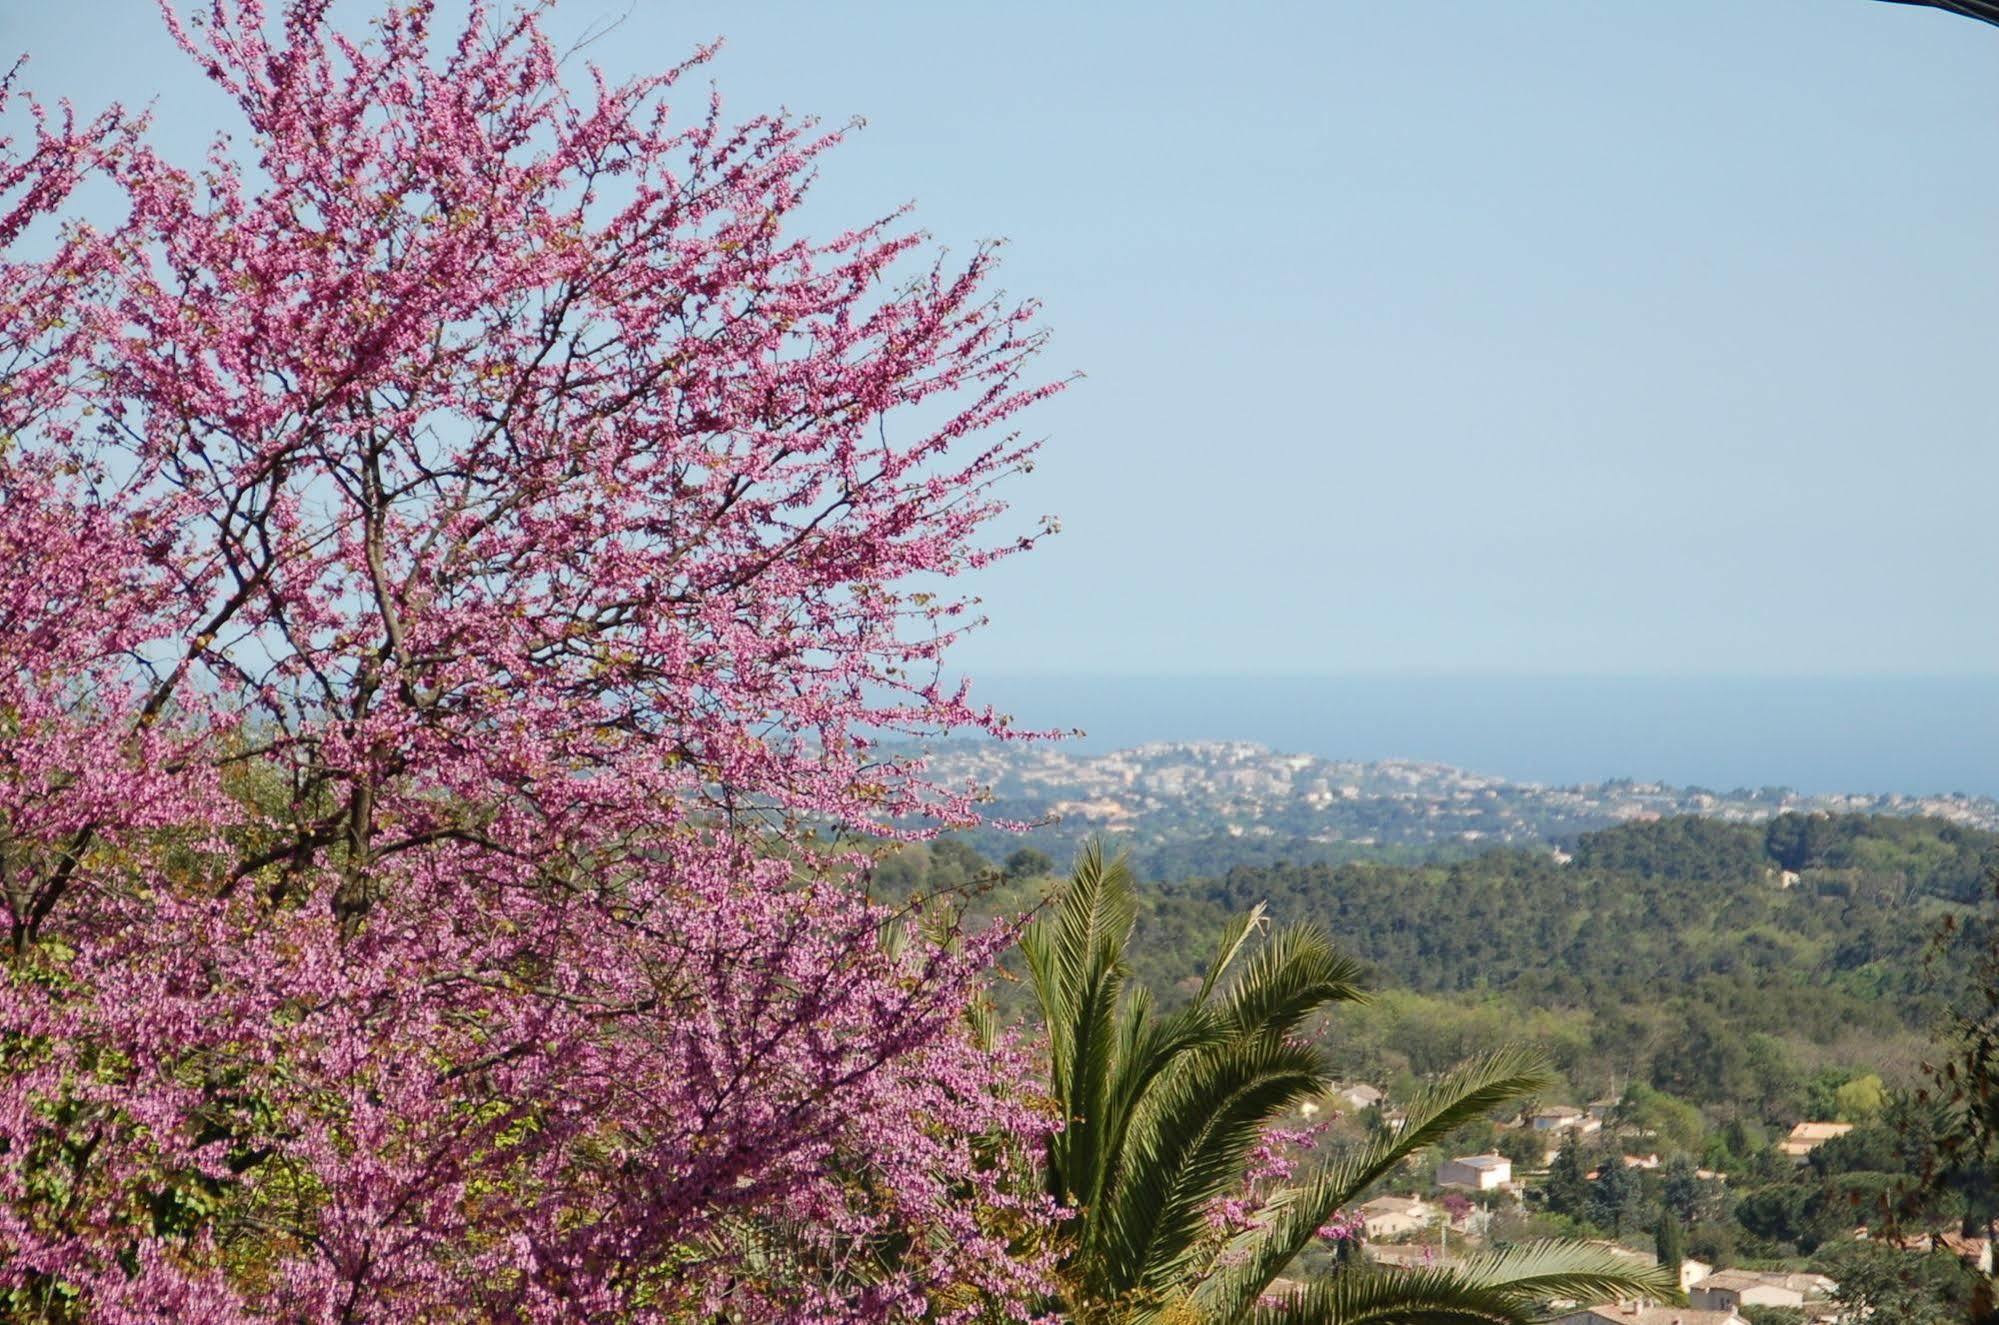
471	554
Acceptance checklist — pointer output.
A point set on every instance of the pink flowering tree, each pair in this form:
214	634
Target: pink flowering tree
474	548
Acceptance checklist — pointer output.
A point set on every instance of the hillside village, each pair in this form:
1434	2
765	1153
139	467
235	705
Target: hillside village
1439	1220
1173	791
1738	1013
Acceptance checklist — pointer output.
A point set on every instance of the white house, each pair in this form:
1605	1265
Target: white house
1359	1095
1481	1173
1396	1216
1565	1118
1732	1290
1807	1137
1692	1272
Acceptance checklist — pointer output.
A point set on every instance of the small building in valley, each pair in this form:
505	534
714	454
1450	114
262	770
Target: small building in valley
1480	1173
1564	1118
1732	1290
1807	1137
1396	1216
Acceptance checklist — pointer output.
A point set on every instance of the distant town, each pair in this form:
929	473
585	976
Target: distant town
1174	792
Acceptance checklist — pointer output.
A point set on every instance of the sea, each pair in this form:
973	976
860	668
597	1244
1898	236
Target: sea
1878	735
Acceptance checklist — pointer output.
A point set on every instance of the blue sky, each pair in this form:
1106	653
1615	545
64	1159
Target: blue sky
1553	336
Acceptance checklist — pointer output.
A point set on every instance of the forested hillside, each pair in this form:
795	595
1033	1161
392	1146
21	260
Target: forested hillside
1727	964
1707	985
1739	967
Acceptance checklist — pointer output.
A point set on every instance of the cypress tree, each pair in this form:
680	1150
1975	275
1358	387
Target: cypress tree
1671	1242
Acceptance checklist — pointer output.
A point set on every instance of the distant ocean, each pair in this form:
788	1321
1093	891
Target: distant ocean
1875	734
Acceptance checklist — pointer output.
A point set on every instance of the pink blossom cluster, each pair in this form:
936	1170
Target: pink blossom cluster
471	553
1278	1155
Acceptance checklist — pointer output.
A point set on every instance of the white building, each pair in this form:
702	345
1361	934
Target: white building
1481	1173
1396	1216
1732	1290
1807	1137
1565	1118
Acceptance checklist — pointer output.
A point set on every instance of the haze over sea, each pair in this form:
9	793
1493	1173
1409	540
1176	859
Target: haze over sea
1916	735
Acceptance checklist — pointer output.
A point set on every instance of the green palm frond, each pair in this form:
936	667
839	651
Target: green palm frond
1095	917
1460	1096
1289	978
1548	1269
1161	1113
1502	1288
1075	959
1469	1090
982	1023
1188	1147
1234	935
1149	1047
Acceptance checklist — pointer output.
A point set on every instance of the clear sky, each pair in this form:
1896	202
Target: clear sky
1550	336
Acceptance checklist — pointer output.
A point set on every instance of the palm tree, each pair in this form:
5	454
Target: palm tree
1161	1112
1984	10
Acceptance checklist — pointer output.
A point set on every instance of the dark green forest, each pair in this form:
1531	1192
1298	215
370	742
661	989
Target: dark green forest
1737	967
